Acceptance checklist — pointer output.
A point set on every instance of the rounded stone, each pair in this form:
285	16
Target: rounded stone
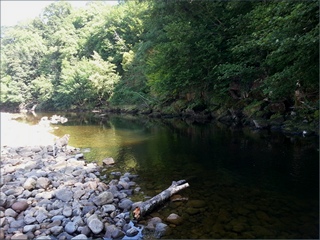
20	206
3	199
80	237
103	198
10	213
43	182
64	195
70	227
95	225
67	211
174	218
30	183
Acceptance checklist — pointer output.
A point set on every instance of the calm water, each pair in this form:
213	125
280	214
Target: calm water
250	184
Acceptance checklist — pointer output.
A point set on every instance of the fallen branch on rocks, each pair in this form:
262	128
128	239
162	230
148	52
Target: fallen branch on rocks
143	208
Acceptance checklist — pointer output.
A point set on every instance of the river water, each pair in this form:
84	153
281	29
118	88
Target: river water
243	183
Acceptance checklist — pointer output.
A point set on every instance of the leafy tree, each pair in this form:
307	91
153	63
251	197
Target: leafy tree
22	52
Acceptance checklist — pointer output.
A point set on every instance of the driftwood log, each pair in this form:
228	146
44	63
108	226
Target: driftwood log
143	208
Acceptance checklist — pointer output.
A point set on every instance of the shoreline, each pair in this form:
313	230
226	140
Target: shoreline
14	133
63	196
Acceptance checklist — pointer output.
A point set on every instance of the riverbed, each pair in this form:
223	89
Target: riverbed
247	183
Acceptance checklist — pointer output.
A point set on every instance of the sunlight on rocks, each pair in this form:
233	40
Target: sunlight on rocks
14	133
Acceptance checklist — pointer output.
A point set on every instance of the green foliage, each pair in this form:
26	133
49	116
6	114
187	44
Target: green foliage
162	52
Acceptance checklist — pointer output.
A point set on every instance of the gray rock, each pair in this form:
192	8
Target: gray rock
70	227
58	217
64	194
43	182
80	237
3	221
30	183
87	209
17	223
43	238
41	216
108	208
29	219
55	212
95	225
45	195
64	235
56	230
58	204
125	204
113	232
67	211
16	191
160	230
10	213
54	223
132	232
103	198
3	199
85	230
29	228
78	220
26	194
78	194
19	236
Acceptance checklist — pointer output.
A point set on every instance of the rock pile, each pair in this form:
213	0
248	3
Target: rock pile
62	197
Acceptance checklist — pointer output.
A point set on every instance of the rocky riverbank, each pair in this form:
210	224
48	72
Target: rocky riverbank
64	197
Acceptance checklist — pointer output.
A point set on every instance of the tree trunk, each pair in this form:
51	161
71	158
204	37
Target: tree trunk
145	207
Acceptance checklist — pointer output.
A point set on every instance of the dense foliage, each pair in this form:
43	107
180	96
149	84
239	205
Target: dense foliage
183	54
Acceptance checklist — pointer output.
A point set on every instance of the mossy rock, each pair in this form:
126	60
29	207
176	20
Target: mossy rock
253	108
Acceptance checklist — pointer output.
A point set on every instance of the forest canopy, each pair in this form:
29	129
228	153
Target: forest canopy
183	54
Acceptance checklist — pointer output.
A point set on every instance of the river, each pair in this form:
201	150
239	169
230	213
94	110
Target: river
249	184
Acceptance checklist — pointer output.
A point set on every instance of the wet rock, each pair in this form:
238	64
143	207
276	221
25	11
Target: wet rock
174	219
196	203
160	230
108	161
193	211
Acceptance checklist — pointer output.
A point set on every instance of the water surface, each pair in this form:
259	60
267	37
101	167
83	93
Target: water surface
250	184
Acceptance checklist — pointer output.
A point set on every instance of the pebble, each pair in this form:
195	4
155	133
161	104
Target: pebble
46	197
